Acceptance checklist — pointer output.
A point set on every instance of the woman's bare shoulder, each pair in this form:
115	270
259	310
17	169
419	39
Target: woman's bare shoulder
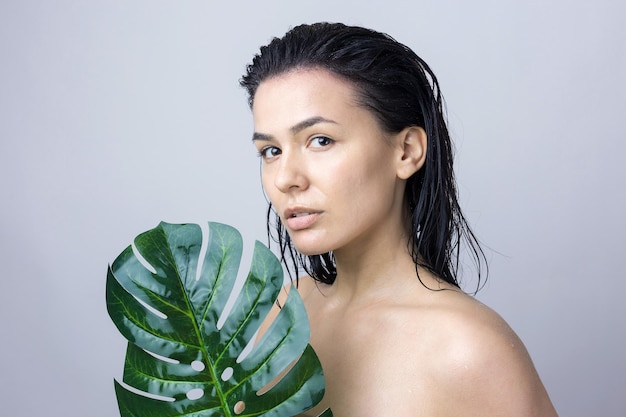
483	361
454	355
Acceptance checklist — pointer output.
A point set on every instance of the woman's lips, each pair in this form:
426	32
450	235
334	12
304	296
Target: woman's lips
301	220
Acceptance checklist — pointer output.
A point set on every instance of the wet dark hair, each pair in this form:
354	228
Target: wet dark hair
399	88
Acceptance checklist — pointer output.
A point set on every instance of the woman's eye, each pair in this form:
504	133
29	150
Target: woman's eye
320	141
269	152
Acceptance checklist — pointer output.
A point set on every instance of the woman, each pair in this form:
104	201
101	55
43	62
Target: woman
357	165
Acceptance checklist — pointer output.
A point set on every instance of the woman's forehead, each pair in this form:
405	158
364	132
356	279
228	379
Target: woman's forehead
301	94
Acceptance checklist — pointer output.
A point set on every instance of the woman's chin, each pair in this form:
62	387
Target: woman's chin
310	243
310	249
309	252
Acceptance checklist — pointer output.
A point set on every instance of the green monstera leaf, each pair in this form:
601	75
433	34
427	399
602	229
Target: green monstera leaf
166	295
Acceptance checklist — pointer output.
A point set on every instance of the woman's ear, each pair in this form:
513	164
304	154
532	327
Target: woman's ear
413	142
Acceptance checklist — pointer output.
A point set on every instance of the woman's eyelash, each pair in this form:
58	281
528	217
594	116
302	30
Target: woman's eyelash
263	152
319	139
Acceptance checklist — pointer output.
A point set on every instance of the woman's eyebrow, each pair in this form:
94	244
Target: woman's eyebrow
261	136
298	127
309	122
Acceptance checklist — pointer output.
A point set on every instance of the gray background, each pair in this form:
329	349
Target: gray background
115	115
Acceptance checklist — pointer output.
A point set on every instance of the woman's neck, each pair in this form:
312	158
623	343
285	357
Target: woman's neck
375	268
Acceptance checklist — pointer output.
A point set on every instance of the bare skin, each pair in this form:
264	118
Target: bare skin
417	352
389	344
412	351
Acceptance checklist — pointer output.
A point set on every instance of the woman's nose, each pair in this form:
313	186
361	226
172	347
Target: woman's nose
290	174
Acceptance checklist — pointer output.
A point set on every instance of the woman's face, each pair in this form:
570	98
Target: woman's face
327	167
